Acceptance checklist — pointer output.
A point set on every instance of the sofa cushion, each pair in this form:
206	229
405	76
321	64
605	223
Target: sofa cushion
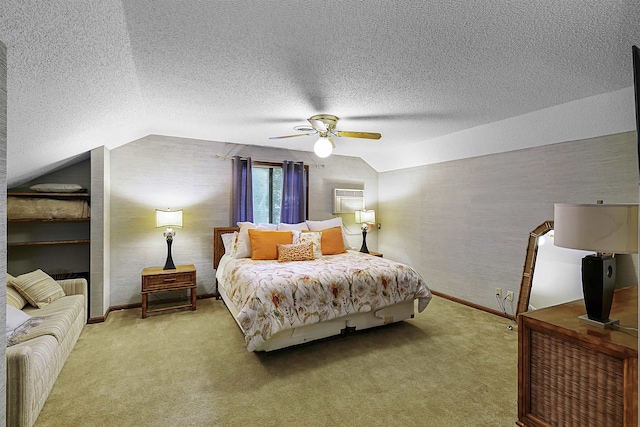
60	316
38	288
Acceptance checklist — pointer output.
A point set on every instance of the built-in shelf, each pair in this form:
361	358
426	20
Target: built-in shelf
48	243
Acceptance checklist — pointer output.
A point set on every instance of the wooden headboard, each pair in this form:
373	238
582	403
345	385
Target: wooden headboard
218	246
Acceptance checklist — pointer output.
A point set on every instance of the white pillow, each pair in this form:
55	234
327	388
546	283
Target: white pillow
329	223
227	241
313	237
15	318
290	227
242	247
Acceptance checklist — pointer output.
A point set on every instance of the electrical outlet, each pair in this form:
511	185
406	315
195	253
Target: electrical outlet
498	293
509	295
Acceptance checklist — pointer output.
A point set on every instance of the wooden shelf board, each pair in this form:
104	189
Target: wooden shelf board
54	242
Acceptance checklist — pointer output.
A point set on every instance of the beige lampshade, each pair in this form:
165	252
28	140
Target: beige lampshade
366	217
597	227
168	218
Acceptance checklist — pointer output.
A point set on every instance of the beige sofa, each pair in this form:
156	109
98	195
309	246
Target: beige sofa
33	365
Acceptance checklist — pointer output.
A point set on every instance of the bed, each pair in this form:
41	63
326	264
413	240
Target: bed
280	304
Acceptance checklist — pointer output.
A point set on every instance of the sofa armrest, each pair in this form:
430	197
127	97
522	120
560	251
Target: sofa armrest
77	286
74	286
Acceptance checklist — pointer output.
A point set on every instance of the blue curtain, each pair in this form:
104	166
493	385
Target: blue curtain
294	193
241	194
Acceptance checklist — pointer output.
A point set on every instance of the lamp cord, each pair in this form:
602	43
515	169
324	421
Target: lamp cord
503	306
626	329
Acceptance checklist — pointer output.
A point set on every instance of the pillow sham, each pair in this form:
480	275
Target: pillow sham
15	318
313	237
228	240
329	223
13	296
56	188
295	252
332	242
38	288
290	227
264	244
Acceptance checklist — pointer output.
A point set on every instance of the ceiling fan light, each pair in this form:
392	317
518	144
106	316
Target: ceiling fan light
323	147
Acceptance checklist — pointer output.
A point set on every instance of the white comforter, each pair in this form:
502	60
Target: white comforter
272	296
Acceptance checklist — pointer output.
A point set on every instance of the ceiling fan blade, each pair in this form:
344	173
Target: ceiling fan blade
291	136
366	135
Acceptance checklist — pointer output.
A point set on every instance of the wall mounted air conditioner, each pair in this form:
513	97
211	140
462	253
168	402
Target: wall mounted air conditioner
347	201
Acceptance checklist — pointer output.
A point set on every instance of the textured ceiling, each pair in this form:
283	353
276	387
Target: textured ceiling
104	72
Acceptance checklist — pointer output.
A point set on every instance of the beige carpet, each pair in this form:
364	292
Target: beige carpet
450	366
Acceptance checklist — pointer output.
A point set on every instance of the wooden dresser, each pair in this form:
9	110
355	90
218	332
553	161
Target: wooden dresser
572	374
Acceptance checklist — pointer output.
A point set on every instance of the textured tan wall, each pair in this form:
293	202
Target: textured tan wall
3	222
100	232
465	224
166	172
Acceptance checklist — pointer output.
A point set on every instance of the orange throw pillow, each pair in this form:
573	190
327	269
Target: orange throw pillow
332	242
264	244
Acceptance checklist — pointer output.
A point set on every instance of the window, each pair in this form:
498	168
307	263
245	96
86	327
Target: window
267	191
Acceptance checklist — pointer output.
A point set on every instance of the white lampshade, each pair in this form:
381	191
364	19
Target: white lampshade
168	218
366	217
323	147
599	228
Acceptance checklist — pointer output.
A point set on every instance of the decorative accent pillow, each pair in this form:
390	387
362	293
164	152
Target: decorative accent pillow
38	288
332	242
57	188
290	227
295	252
329	223
313	237
13	296
264	244
15	318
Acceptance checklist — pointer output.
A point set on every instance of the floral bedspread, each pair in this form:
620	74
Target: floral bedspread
273	296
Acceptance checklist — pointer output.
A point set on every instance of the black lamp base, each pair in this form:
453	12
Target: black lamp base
168	265
364	248
598	284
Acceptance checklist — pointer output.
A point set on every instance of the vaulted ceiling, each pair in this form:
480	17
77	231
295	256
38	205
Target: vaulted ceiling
83	74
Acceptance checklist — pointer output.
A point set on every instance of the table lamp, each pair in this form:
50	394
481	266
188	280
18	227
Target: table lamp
168	218
608	230
367	218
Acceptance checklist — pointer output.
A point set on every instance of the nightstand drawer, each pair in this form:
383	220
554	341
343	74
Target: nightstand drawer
167	280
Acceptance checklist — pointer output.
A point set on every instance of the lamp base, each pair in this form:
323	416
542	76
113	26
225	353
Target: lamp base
603	325
598	284
168	265
364	248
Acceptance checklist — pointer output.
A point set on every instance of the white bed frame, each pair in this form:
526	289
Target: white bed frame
349	323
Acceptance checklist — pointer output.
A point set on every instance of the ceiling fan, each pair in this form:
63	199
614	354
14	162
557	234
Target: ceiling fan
325	126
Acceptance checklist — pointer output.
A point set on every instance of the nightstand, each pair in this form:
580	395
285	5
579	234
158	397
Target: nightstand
155	279
375	254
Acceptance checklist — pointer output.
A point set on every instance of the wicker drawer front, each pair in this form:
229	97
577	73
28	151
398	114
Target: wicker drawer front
573	385
167	281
